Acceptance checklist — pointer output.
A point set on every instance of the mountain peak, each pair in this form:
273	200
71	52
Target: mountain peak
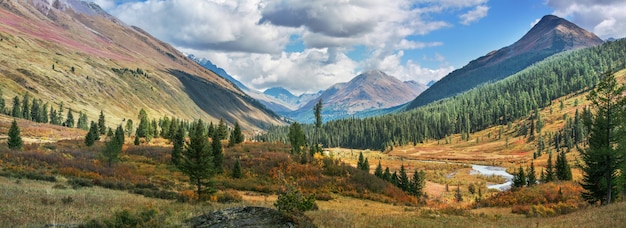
278	92
549	36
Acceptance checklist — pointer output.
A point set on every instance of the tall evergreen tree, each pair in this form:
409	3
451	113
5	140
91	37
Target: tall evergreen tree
531	178
379	170
601	159
318	123
15	139
297	139
218	153
2	104
458	195
387	175
236	136
237	170
113	147
69	122
92	134
128	128
26	107
144	125
196	160
16	111
549	175
44	113
102	127
418	183
222	130
35	111
82	121
519	180
563	170
179	143
359	163
403	181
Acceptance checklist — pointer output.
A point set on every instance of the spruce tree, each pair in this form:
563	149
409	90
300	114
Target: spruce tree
15	140
26	107
144	125
549	175
113	147
70	119
196	160
458	195
297	138
394	178
359	164
16	111
82	121
2	104
387	175
35	111
531	178
403	181
128	128
418	183
563	170
101	124
92	134
237	170
366	166
179	143
379	170
519	180
601	160
222	130
218	153
44	113
236	136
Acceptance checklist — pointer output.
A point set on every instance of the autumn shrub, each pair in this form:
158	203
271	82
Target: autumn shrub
77	183
229	196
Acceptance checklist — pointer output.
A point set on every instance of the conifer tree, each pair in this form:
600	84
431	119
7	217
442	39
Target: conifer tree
218	153
69	122
387	175
418	183
196	160
394	178
531	178
92	134
297	138
144	125
236	136
101	124
379	170
179	143
563	170
366	166
549	175
15	139
113	147
35	111
222	130
458	195
403	181
359	163
16	111
519	180
26	107
128	129
136	141
44	113
237	170
602	159
82	121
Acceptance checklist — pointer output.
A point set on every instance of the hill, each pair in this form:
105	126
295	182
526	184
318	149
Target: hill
74	53
549	36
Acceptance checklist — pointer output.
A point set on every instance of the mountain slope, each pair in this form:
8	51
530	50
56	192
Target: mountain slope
549	36
74	53
372	90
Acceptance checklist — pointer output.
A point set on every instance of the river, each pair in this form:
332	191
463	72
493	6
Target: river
494	170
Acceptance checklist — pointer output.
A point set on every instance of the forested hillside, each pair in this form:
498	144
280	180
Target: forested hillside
491	104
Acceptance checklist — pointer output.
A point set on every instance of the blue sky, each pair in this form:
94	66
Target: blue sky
306	46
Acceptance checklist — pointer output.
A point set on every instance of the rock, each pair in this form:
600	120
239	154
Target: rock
249	217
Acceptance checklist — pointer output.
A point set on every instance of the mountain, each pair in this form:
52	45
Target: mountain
280	92
74	53
217	70
369	91
549	36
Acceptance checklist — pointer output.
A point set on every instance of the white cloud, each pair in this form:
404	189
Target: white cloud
474	15
248	37
599	17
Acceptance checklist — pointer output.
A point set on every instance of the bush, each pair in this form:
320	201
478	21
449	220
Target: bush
145	218
291	200
77	183
229	196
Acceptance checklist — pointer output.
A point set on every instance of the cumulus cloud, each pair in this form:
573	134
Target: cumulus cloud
599	17
248	37
474	15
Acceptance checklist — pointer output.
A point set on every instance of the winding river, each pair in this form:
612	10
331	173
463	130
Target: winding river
497	171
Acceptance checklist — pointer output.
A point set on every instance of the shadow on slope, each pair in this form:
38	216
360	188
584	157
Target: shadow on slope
219	102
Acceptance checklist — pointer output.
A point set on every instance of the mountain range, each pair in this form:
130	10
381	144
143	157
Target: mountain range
74	53
549	36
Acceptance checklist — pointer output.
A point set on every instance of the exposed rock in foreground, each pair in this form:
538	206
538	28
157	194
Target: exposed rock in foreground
248	217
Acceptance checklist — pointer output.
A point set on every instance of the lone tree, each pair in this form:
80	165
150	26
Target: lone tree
602	159
237	170
101	124
15	140
196	160
113	147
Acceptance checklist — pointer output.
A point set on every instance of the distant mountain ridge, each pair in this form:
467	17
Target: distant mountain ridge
549	36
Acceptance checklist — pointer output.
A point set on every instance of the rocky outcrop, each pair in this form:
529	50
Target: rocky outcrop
249	217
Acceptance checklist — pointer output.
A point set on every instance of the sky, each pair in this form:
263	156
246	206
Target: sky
309	45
